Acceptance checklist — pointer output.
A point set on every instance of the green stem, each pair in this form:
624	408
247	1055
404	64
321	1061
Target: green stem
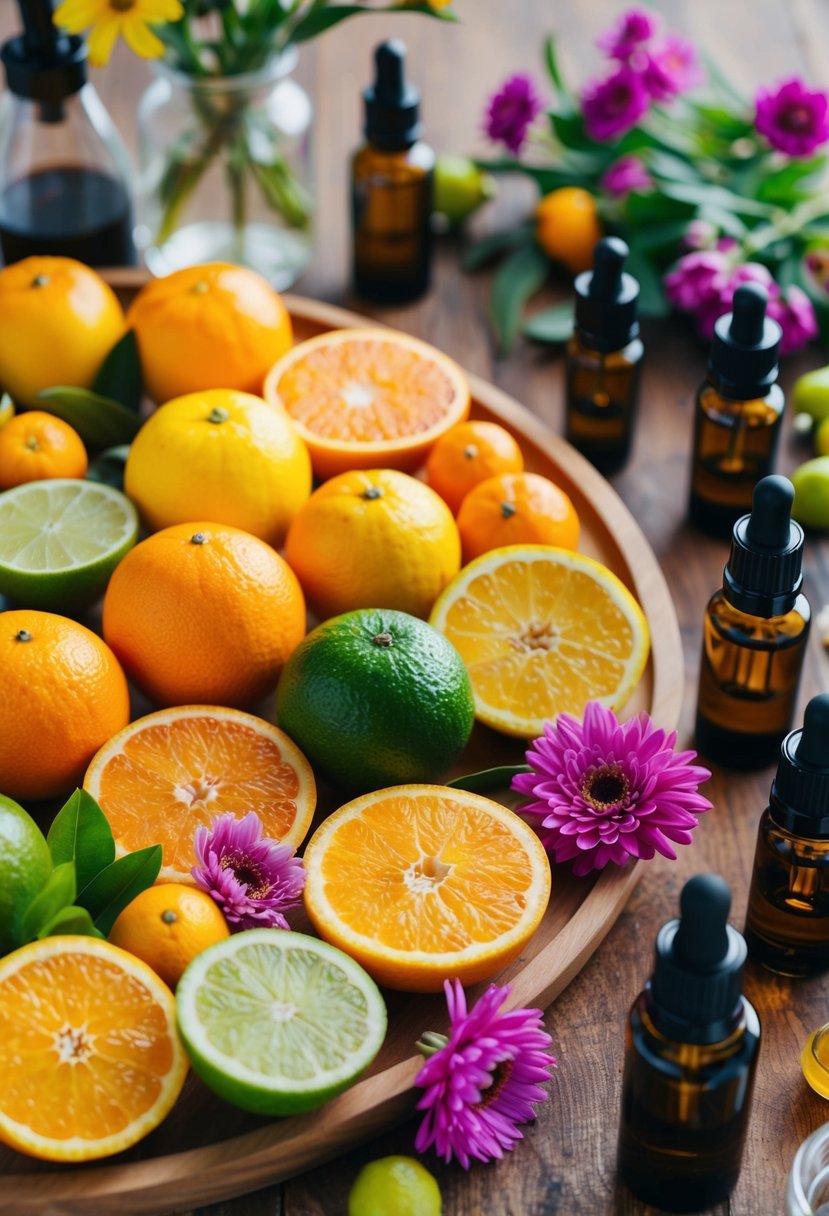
789	223
430	1043
489	778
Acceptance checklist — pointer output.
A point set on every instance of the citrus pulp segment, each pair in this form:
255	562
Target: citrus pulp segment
278	1022
61	539
542	631
173	771
90	1057
368	398
420	883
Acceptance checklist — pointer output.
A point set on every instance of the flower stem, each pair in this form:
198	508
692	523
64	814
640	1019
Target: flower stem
489	778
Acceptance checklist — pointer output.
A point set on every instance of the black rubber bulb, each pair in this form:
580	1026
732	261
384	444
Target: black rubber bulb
748	314
701	940
813	748
609	258
390	79
771	508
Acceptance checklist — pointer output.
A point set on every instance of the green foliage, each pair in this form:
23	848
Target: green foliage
518	278
80	833
119	377
109	892
100	421
108	467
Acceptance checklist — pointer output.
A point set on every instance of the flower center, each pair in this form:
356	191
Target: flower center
605	787
246	871
425	875
73	1044
500	1076
539	635
797	119
122	6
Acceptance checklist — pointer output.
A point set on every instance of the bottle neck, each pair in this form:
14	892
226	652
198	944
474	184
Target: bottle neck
723	1035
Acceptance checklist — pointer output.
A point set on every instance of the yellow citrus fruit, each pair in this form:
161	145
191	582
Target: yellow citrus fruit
58	322
171	772
202	613
542	632
90	1057
468	454
211	326
220	455
421	882
567	227
368	398
516	509
35	446
377	539
167	926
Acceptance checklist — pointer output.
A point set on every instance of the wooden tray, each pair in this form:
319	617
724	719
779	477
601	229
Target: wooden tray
207	1151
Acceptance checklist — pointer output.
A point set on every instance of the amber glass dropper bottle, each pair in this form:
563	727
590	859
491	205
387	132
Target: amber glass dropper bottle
738	412
692	1042
787	926
754	636
392	187
604	359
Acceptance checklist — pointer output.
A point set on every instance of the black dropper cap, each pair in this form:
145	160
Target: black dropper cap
392	104
696	985
42	64
745	348
801	785
763	575
607	298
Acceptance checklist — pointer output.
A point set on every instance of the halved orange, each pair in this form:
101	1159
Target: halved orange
542	631
420	883
368	398
167	774
90	1057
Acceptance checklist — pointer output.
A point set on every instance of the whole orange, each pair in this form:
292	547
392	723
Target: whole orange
469	454
373	539
167	925
567	227
58	322
203	614
211	326
35	446
63	695
516	509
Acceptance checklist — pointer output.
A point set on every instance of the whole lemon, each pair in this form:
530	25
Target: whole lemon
810	395
25	865
394	1186
220	455
567	227
811	493
58	322
822	438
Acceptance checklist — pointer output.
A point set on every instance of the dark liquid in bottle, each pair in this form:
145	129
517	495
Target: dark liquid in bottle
71	212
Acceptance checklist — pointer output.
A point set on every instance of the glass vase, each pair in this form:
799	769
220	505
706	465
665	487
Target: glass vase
226	171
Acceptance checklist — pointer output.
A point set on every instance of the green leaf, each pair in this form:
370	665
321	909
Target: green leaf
649	207
788	185
70	920
518	277
552	325
100	421
321	19
106	896
497	242
119	377
569	128
108	467
652	301
664	236
81	833
551	61
489	778
50	900
703	194
571	173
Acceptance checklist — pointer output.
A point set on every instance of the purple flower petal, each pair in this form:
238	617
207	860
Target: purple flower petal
615	104
511	111
794	119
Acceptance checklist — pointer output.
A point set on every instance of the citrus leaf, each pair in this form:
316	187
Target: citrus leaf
119	377
489	778
70	920
81	833
109	892
517	278
108	467
551	325
497	242
321	19
100	421
50	900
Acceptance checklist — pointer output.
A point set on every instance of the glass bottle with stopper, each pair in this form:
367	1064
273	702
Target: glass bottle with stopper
604	359
738	413
692	1043
63	169
754	636
787	925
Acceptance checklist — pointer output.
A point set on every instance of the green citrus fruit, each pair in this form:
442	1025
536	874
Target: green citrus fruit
278	1022
811	493
460	187
810	394
25	865
375	698
822	438
394	1186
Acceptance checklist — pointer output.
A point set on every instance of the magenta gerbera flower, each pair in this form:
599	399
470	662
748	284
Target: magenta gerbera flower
794	118
483	1079
624	175
615	104
511	111
606	791
671	68
634	28
253	879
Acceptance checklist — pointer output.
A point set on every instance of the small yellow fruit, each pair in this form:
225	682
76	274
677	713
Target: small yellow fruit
567	227
394	1186
167	925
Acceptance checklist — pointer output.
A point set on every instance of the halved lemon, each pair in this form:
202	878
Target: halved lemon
368	398
167	774
542	631
419	883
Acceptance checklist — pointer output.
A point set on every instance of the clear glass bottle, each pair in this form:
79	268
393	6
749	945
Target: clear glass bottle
64	172
807	1191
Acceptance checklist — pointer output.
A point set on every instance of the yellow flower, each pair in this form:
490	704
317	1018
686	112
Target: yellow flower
109	18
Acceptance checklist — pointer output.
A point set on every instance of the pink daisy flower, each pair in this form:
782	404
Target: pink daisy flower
794	118
633	28
615	104
483	1079
253	879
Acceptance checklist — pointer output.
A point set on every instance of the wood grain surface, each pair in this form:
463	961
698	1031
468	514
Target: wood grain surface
566	1164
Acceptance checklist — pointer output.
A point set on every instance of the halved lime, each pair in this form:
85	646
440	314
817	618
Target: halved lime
60	540
278	1022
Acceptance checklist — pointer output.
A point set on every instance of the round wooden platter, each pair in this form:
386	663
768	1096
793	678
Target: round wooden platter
207	1151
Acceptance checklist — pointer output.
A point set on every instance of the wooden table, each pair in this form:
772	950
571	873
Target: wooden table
567	1161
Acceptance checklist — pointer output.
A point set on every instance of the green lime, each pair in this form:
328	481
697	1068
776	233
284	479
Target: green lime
278	1022
822	438
375	698
60	541
810	394
811	493
394	1186
25	865
460	187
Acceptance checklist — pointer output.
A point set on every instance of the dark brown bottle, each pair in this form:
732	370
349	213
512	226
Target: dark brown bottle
392	179
68	211
787	924
738	413
604	359
754	636
692	1042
